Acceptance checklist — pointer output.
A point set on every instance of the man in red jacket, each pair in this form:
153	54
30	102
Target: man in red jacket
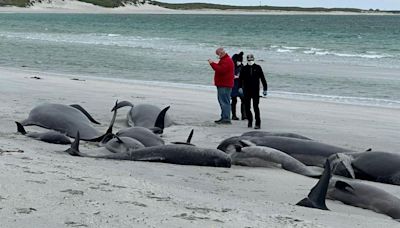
223	80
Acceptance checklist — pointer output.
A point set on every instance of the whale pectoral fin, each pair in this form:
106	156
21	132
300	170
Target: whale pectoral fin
343	186
151	159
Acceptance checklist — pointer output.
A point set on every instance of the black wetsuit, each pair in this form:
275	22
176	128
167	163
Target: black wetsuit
249	81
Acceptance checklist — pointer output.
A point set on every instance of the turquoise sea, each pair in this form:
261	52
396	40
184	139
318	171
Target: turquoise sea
347	59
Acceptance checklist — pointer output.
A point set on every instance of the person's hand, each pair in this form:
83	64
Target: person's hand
265	93
210	61
240	90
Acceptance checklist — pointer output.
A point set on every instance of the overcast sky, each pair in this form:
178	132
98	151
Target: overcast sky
363	4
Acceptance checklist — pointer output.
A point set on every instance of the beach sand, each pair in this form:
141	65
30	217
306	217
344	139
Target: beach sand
45	187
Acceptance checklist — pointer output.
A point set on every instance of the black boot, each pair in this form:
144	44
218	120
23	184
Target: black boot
233	108
243	111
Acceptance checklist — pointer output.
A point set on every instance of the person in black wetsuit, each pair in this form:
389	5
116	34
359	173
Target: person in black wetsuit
249	85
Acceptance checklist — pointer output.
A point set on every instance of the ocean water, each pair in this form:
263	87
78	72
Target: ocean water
346	59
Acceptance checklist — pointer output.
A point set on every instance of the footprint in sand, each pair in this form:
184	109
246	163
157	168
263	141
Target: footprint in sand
133	203
25	210
76	178
158	198
73	192
36	181
75	224
192	217
33	172
118	186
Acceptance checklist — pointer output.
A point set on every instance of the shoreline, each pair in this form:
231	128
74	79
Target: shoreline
333	99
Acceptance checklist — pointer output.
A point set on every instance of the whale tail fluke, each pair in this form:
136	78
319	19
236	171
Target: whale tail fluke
317	195
121	104
109	130
102	138
20	128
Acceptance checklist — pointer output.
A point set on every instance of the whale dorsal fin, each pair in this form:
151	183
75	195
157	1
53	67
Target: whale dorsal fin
317	195
80	108
189	139
160	121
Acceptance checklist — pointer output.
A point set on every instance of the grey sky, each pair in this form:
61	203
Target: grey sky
363	4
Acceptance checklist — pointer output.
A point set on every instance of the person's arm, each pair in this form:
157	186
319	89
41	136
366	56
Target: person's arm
220	67
240	84
263	81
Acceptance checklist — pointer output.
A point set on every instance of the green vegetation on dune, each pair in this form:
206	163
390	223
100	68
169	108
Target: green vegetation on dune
106	3
19	3
196	6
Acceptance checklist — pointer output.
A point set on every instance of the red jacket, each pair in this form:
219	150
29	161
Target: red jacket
224	72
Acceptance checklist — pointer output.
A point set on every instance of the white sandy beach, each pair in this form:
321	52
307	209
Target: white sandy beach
45	187
74	6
